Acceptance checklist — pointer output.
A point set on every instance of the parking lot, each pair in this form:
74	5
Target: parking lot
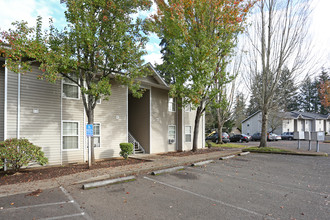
324	147
256	186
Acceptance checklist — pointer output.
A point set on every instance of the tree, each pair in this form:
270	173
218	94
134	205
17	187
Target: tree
201	35
308	96
277	38
239	110
100	42
323	86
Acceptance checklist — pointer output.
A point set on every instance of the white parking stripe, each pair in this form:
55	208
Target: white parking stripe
208	198
260	181
62	217
85	215
34	206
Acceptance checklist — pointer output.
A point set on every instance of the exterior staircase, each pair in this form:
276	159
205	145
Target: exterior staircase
137	147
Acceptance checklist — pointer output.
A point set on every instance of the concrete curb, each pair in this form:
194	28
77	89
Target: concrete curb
244	153
157	172
294	153
226	158
107	182
202	163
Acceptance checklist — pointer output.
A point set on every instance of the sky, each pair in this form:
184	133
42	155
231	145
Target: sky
28	10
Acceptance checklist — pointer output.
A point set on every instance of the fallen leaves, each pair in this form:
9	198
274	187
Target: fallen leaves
35	193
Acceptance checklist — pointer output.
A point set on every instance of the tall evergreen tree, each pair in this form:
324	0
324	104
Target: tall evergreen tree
239	110
323	86
308	96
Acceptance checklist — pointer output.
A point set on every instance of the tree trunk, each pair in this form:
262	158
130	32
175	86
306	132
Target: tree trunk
196	130
263	141
220	125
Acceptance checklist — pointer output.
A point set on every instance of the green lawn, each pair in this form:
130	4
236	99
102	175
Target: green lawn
229	145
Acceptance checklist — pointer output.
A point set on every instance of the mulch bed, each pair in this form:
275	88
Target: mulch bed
33	174
199	151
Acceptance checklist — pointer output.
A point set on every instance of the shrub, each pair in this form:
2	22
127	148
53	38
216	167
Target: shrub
126	149
20	152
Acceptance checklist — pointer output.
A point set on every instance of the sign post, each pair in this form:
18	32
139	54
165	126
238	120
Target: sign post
89	134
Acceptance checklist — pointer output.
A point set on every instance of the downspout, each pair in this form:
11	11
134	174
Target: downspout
61	122
6	103
5	111
18	134
150	121
127	114
177	127
84	147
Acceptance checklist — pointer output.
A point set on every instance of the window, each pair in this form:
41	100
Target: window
171	134
188	108
187	132
70	135
96	135
98	101
70	89
171	104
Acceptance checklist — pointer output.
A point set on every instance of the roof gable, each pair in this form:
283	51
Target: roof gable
154	79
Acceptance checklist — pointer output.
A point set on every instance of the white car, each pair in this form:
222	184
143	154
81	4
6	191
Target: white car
275	137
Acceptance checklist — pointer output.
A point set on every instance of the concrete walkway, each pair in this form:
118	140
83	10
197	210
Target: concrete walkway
155	162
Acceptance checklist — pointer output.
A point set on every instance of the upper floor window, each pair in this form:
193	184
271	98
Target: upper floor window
70	89
171	104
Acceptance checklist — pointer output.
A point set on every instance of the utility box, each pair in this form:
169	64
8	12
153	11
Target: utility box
299	135
318	136
308	136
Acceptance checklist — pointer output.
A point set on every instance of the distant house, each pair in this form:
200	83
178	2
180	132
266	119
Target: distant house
52	116
288	122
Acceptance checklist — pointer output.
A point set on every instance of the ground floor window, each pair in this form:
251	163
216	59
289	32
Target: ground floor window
171	134
187	132
70	135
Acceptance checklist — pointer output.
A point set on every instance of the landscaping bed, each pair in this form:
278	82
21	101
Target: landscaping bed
33	174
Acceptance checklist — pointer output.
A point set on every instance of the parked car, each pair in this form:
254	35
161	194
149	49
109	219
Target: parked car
287	136
214	137
256	136
239	138
270	137
275	137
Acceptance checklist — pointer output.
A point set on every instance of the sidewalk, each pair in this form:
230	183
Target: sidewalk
155	162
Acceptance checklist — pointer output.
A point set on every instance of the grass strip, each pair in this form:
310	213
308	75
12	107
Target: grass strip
267	150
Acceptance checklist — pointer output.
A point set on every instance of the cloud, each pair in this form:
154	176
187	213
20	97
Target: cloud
153	58
29	10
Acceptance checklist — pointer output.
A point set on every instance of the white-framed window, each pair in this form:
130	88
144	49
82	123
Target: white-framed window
98	101
70	135
70	89
96	135
188	108
187	133
171	134
171	104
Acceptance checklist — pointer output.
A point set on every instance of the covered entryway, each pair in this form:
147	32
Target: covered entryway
139	122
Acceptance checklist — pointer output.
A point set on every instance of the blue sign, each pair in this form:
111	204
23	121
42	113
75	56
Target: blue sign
89	130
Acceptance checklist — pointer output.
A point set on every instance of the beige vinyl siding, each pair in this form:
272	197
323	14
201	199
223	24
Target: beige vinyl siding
112	115
42	128
189	120
161	118
2	99
73	111
12	105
